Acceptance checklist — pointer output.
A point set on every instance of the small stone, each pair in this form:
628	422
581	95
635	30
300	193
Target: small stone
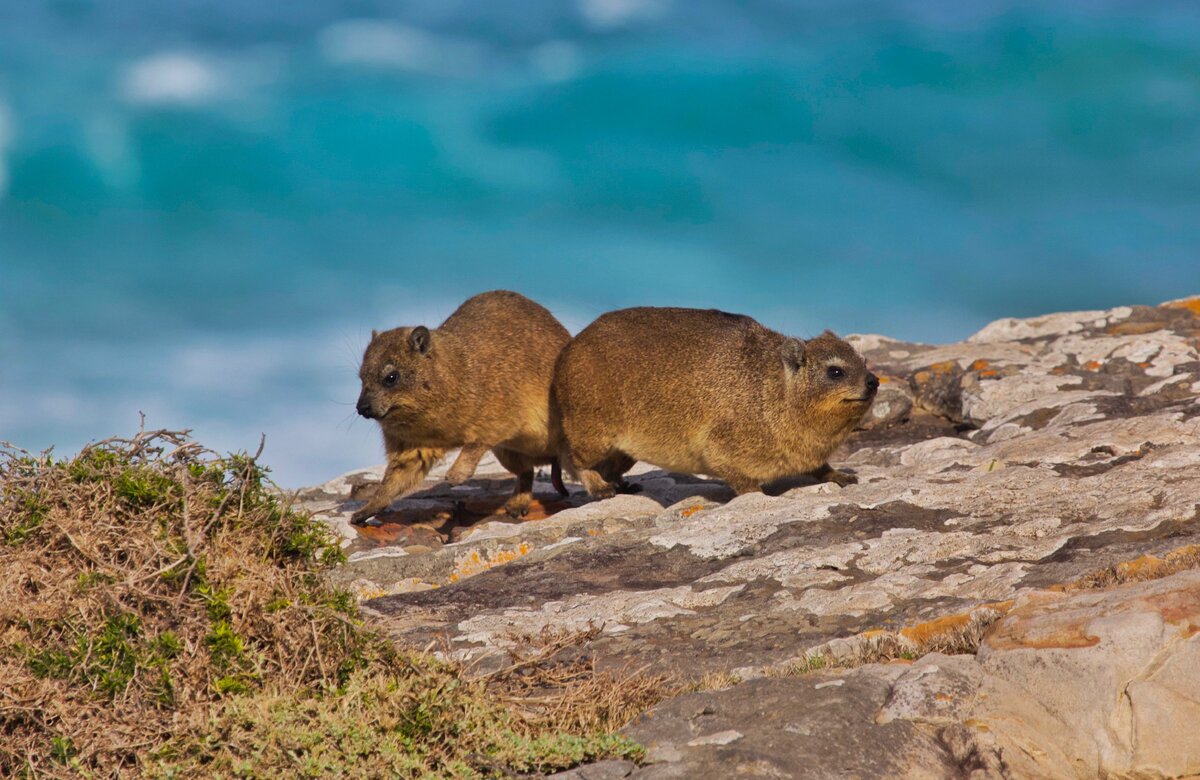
719	738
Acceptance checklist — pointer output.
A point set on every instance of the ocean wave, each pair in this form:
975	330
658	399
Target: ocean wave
379	43
172	78
609	14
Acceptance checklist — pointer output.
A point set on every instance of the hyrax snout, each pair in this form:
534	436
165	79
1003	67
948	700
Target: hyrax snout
479	381
705	392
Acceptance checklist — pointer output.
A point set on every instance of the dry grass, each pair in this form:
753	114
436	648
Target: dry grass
955	635
163	614
549	684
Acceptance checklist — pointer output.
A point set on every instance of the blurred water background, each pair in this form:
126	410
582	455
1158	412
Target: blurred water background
206	205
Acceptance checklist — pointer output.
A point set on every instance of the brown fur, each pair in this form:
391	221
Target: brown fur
479	381
705	392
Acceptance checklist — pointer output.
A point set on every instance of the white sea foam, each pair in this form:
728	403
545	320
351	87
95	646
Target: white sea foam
172	78
379	43
608	14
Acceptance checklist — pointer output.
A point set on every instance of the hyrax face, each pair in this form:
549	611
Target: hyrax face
397	373
829	373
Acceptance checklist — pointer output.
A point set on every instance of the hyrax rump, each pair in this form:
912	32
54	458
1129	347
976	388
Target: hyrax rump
479	381
705	392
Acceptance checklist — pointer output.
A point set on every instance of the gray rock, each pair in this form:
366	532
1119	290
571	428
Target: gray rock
1030	455
601	770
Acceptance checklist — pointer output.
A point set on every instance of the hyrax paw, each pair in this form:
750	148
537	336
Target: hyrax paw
628	488
518	506
839	478
362	516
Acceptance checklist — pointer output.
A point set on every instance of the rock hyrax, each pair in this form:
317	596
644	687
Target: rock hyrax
705	392
479	381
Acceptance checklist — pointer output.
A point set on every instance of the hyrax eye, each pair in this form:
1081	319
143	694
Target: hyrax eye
391	379
835	372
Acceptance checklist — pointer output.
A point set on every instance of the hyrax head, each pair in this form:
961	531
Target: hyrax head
826	371
397	374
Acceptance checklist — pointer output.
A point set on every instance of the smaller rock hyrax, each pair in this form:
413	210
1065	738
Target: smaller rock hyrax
705	392
479	381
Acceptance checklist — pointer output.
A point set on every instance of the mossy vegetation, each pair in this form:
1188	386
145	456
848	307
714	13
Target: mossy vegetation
163	613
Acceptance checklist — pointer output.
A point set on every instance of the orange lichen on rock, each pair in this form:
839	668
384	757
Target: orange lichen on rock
1147	567
473	563
1191	304
948	626
691	510
1021	634
979	364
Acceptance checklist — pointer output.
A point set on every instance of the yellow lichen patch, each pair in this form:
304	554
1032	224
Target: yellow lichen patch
1133	328
1147	567
1067	636
1191	304
691	510
949	629
366	594
473	563
945	367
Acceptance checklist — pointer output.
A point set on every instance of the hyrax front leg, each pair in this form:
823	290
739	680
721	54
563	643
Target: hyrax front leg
522	497
464	466
521	465
406	469
827	473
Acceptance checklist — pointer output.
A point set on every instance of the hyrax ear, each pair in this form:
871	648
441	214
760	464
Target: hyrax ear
830	334
419	339
793	354
374	334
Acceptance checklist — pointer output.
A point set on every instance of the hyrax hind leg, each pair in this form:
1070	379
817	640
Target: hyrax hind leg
522	465
466	462
613	470
599	469
827	473
406	468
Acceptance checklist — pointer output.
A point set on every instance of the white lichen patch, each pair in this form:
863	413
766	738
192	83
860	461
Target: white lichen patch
1012	329
583	612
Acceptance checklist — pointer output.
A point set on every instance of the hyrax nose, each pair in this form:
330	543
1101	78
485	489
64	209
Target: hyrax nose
364	407
872	383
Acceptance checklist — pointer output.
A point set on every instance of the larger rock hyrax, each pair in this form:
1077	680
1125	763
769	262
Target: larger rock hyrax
705	392
479	381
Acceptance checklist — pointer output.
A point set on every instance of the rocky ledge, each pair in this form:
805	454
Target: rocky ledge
1010	590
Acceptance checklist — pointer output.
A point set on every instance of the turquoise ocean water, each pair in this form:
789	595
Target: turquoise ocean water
206	205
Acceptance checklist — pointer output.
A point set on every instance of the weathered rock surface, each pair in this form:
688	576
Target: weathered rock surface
990	472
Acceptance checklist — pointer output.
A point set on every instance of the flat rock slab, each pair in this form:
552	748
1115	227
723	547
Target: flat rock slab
1032	454
1084	685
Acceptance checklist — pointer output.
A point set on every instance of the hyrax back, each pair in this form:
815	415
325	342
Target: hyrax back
479	381
705	392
